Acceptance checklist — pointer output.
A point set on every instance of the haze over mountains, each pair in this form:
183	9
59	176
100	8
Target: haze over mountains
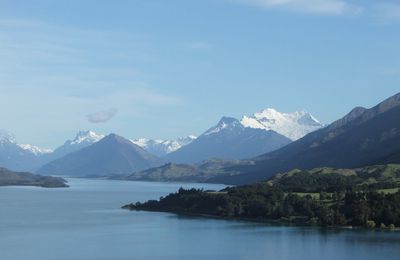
363	137
268	141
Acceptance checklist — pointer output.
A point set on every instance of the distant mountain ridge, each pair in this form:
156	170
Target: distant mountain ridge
163	147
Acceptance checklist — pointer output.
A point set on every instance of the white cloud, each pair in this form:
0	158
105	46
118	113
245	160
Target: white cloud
327	7
102	116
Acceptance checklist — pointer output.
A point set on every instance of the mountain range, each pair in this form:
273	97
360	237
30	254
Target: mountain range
362	137
230	139
271	142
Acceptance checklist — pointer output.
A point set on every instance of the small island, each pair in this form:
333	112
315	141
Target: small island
10	178
363	197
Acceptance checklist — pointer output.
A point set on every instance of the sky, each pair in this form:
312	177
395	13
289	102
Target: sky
169	68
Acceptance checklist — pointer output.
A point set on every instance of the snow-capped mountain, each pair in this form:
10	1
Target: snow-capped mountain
7	137
82	139
85	137
362	137
163	147
229	139
251	136
34	149
292	125
112	155
13	156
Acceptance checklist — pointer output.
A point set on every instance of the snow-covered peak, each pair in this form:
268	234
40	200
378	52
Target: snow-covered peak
292	125
224	124
34	149
82	139
142	142
163	147
86	137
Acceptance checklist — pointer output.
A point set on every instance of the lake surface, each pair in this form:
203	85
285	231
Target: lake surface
85	222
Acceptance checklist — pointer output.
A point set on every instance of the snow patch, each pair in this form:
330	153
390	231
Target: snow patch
292	125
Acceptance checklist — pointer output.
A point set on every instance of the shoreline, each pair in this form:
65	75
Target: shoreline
275	222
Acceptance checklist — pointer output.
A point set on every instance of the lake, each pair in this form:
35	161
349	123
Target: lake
85	222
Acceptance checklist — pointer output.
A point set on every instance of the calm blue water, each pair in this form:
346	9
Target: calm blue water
85	222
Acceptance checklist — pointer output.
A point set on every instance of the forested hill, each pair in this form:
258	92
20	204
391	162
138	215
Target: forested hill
366	196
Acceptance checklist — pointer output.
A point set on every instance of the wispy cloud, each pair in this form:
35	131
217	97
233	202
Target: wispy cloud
102	116
53	75
323	7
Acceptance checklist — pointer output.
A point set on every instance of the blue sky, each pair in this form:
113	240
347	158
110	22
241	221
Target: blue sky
169	68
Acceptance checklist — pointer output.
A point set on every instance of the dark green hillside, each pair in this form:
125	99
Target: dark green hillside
328	197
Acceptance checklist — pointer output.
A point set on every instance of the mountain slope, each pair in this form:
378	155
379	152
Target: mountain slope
112	155
229	139
363	137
